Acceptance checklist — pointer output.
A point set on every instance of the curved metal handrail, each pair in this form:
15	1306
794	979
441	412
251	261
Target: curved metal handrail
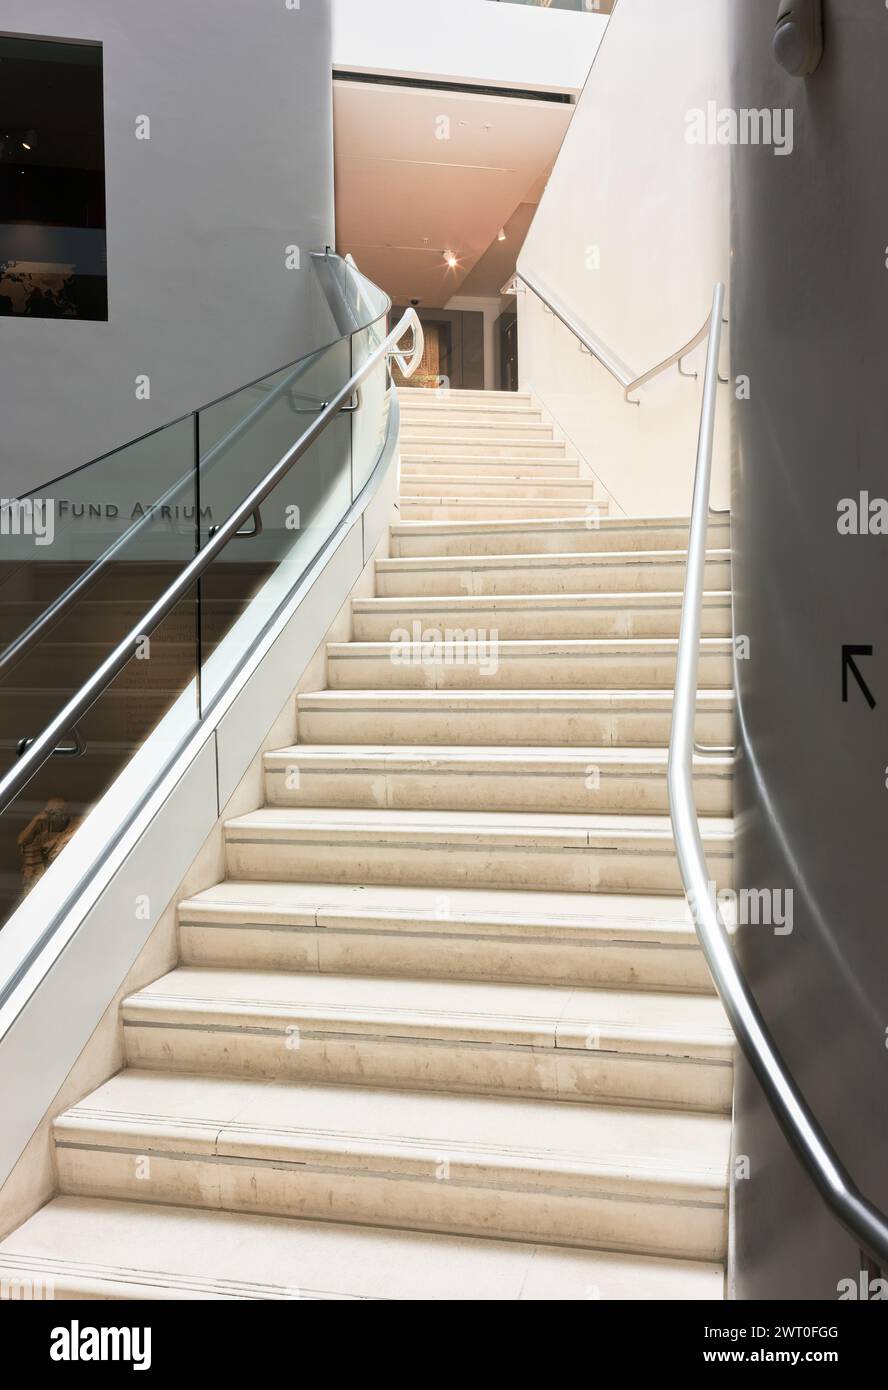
42	747
860	1217
602	354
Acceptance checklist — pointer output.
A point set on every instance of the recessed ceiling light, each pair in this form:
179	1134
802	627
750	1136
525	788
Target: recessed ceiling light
451	259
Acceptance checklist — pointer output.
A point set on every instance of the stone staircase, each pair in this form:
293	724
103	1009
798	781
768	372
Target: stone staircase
448	1008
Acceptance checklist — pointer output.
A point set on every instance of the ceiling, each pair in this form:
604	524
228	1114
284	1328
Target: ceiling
404	195
497	264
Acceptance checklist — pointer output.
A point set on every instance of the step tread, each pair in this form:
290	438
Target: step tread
659	598
626	523
615	917
505	499
541	1016
671	1155
553	560
461	393
497	824
496	442
549	761
540	646
441	461
429	421
651	699
136	1250
489	480
517	464
443	408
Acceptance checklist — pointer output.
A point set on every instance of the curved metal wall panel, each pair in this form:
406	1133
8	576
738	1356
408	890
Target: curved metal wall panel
809	309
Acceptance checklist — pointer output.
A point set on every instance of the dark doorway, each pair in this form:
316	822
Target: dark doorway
52	180
507	351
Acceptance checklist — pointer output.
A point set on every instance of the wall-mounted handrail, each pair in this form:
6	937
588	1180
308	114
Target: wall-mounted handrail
864	1221
619	371
44	744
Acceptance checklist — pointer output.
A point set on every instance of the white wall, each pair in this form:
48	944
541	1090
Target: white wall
657	209
467	41
238	167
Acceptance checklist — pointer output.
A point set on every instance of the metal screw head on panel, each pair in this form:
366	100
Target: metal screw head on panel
798	37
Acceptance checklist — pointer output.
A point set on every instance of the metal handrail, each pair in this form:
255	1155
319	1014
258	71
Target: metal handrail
618	370
42	747
864	1221
18	648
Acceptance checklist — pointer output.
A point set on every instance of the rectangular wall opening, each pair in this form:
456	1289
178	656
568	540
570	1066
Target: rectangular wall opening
53	261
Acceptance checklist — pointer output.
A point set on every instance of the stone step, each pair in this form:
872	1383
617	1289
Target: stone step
80	1248
493	779
441	487
537	537
564	853
439	405
525	617
449	395
506	718
415	426
488	662
473	446
644	1181
413	468
466	417
481	509
599	941
617	572
475	1037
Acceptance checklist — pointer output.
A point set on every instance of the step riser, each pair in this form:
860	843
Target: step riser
489	668
553	578
507	489
484	449
258	1047
465	418
546	540
344	1187
581	790
629	728
572	867
568	622
417	428
426	950
491	468
458	395
512	511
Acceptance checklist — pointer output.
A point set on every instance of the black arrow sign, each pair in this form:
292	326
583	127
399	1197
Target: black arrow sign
849	664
